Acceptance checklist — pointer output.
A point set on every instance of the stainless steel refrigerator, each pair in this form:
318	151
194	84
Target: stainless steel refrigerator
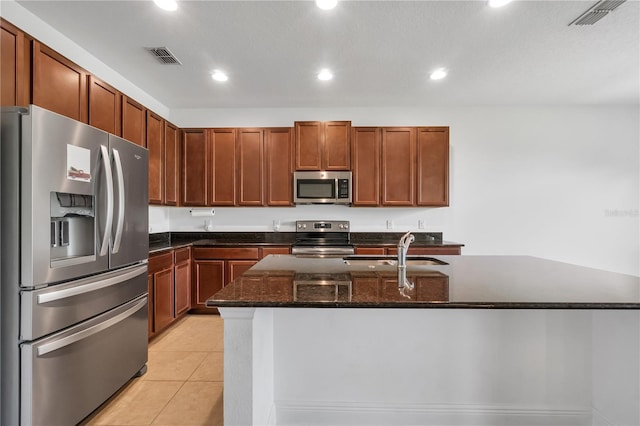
74	249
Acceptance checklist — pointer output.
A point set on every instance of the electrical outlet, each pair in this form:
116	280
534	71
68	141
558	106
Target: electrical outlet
389	224
420	224
276	225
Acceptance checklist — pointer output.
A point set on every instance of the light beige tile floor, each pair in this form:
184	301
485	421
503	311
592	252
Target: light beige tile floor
183	383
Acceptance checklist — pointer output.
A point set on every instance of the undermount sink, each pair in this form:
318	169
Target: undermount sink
391	260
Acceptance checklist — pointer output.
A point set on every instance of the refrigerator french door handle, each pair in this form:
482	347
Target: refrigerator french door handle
121	202
81	335
91	286
109	181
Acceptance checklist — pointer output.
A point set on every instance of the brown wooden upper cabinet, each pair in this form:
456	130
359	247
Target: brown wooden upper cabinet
155	145
194	167
59	85
323	145
250	167
433	166
222	181
365	146
400	166
133	121
15	66
171	164
104	106
279	166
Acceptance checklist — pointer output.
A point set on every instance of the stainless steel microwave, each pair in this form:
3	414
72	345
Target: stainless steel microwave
322	187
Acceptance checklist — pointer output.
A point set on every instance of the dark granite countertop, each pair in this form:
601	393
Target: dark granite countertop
512	282
171	240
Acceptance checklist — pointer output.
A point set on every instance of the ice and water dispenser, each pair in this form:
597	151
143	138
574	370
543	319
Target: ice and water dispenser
72	226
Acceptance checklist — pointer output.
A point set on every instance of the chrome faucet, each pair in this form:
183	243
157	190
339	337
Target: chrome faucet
403	246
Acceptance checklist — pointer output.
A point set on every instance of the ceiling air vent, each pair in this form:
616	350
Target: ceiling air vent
597	12
164	55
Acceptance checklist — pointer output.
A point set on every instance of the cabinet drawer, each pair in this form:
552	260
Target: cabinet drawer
182	255
160	261
248	253
266	251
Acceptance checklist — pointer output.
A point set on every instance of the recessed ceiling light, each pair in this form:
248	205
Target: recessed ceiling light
325	74
438	74
326	4
498	3
218	75
169	5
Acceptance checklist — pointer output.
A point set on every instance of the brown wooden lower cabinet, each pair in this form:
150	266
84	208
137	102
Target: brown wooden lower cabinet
182	272
215	267
163	303
161	287
208	279
169	279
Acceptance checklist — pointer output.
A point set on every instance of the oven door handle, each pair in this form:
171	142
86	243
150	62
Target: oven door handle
93	285
88	332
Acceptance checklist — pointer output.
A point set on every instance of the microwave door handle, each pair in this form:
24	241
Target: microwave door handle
109	181
121	200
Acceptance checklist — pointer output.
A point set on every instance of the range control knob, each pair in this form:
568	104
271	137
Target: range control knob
302	226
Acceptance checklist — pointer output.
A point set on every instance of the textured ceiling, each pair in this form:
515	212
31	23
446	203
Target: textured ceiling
381	52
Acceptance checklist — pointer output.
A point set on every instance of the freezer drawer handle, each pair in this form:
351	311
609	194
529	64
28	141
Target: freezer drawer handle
109	181
121	201
69	340
88	288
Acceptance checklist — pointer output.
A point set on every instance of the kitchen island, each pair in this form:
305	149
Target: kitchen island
480	340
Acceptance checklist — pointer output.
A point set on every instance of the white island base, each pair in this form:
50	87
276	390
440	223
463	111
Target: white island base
330	366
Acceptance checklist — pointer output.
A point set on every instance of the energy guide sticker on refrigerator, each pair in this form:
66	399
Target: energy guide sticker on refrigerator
78	163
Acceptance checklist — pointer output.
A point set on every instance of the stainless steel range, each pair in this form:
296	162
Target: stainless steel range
322	238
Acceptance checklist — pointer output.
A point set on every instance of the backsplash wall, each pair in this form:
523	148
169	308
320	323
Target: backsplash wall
282	219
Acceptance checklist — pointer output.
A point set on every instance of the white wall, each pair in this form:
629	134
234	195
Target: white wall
560	182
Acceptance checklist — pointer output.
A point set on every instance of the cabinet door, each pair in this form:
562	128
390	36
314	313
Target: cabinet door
279	167
433	166
15	66
309	142
163	290
133	121
250	160
209	279
171	164
59	85
375	251
223	164
155	145
194	167
104	106
183	287
366	166
337	145
266	251
236	268
398	166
